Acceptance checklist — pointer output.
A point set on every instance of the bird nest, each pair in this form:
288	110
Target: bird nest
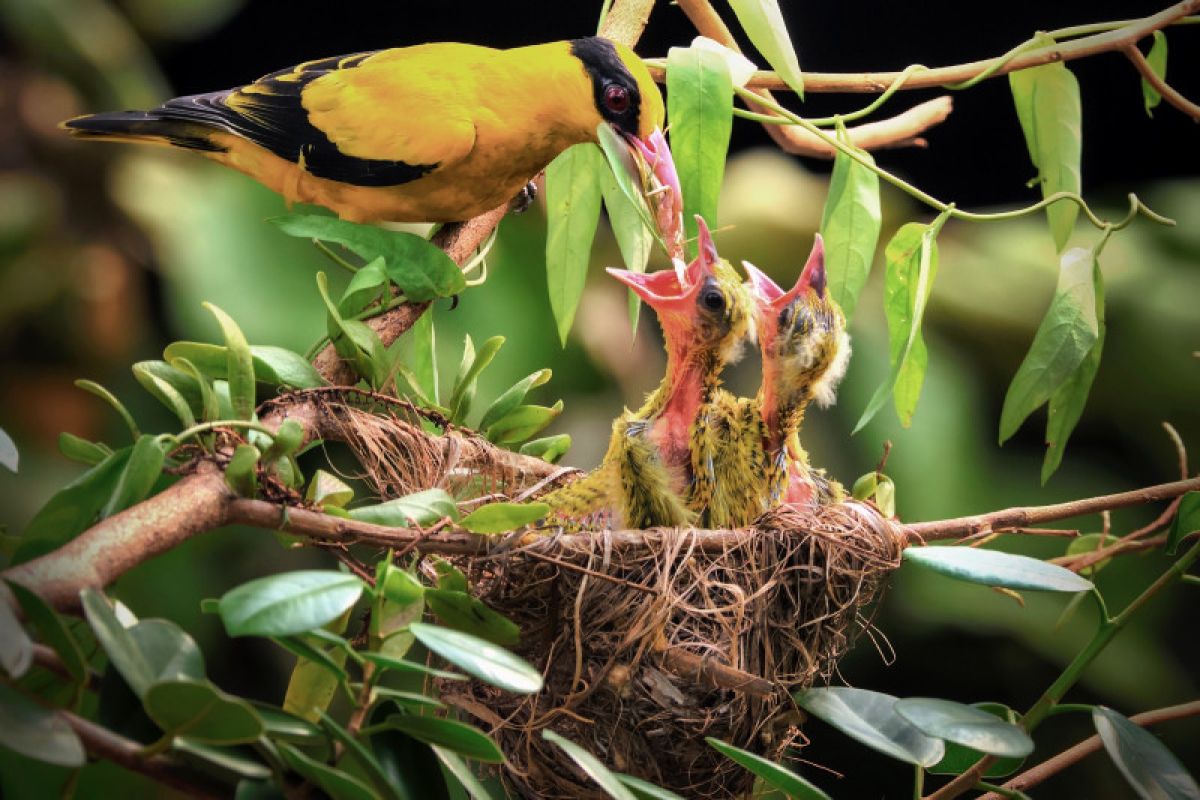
648	641
649	646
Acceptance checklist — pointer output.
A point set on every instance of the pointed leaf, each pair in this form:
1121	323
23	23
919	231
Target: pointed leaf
628	175
79	449
548	448
122	650
272	365
288	603
482	659
634	239
1047	103
573	182
959	759
172	387
644	790
912	260
1157	59
337	784
771	773
850	227
239	364
451	734
870	717
423	364
460	611
700	106
523	422
366	760
606	779
463	774
404	665
367	286
1067	334
503	517
36	732
965	725
512	397
994	568
1187	520
421	270
1151	769
421	508
763	23
104	394
464	388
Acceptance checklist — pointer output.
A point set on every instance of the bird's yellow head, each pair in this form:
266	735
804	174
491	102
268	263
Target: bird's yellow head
703	307
801	333
623	92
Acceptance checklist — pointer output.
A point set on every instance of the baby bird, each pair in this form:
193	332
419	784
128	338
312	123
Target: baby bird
805	351
648	476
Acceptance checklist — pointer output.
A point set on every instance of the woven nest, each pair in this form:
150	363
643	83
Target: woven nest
656	646
648	642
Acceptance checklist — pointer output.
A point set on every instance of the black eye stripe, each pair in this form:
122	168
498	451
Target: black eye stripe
606	68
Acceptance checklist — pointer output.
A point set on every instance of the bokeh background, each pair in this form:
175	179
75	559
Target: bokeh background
106	253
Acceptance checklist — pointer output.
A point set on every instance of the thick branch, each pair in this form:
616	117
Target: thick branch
902	130
1052	766
875	82
104	744
1035	515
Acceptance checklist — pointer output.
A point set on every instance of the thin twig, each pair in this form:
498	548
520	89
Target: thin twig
1052	766
1162	87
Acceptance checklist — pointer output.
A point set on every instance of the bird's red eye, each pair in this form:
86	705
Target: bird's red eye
616	99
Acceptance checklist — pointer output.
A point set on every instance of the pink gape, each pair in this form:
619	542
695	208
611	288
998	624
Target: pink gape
664	194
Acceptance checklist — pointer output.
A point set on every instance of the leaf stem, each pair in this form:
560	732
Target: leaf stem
334	257
202	427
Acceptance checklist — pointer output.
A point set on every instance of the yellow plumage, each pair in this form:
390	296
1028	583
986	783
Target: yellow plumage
431	133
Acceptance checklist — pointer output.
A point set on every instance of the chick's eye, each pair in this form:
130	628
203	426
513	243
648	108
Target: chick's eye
713	300
616	99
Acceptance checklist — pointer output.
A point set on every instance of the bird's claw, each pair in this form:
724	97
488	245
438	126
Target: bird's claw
524	199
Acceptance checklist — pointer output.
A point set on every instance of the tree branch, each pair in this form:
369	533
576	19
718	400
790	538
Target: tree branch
902	130
1052	766
1162	87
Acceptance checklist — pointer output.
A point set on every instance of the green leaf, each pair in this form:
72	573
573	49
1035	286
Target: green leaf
548	448
327	489
399	601
72	509
965	725
116	405
512	397
375	773
16	648
337	784
1067	333
850	227
994	568
239	364
463	774
122	650
628	175
9	457
1157	59
1151	769
1047	103
355	342
421	270
644	790
700	106
404	665
460	611
279	724
172	387
464	387
413	700
210	407
870	717
167	650
79	449
959	759
1187	520
772	774
573	182
480	658
634	239
36	732
241	474
1090	543
285	442
451	734
591	765
423	363
201	711
51	630
273	365
420	508
138	476
318	671
503	517
912	260
366	287
763	23
231	763
523	422
449	576
288	603
1065	406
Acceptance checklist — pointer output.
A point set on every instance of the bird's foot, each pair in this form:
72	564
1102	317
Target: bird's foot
524	199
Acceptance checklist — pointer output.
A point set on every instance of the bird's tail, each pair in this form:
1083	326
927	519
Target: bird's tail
143	126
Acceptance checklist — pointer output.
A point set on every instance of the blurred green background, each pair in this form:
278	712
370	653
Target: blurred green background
106	254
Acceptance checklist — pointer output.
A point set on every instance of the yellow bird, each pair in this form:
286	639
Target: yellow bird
431	133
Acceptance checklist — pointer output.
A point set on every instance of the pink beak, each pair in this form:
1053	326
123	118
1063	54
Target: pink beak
812	277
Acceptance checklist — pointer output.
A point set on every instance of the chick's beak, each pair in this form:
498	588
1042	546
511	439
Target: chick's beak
667	290
813	275
771	298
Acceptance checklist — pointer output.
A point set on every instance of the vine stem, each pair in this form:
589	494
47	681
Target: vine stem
1049	699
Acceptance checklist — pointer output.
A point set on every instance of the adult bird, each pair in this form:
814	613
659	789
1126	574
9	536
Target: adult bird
430	133
647	477
805	352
